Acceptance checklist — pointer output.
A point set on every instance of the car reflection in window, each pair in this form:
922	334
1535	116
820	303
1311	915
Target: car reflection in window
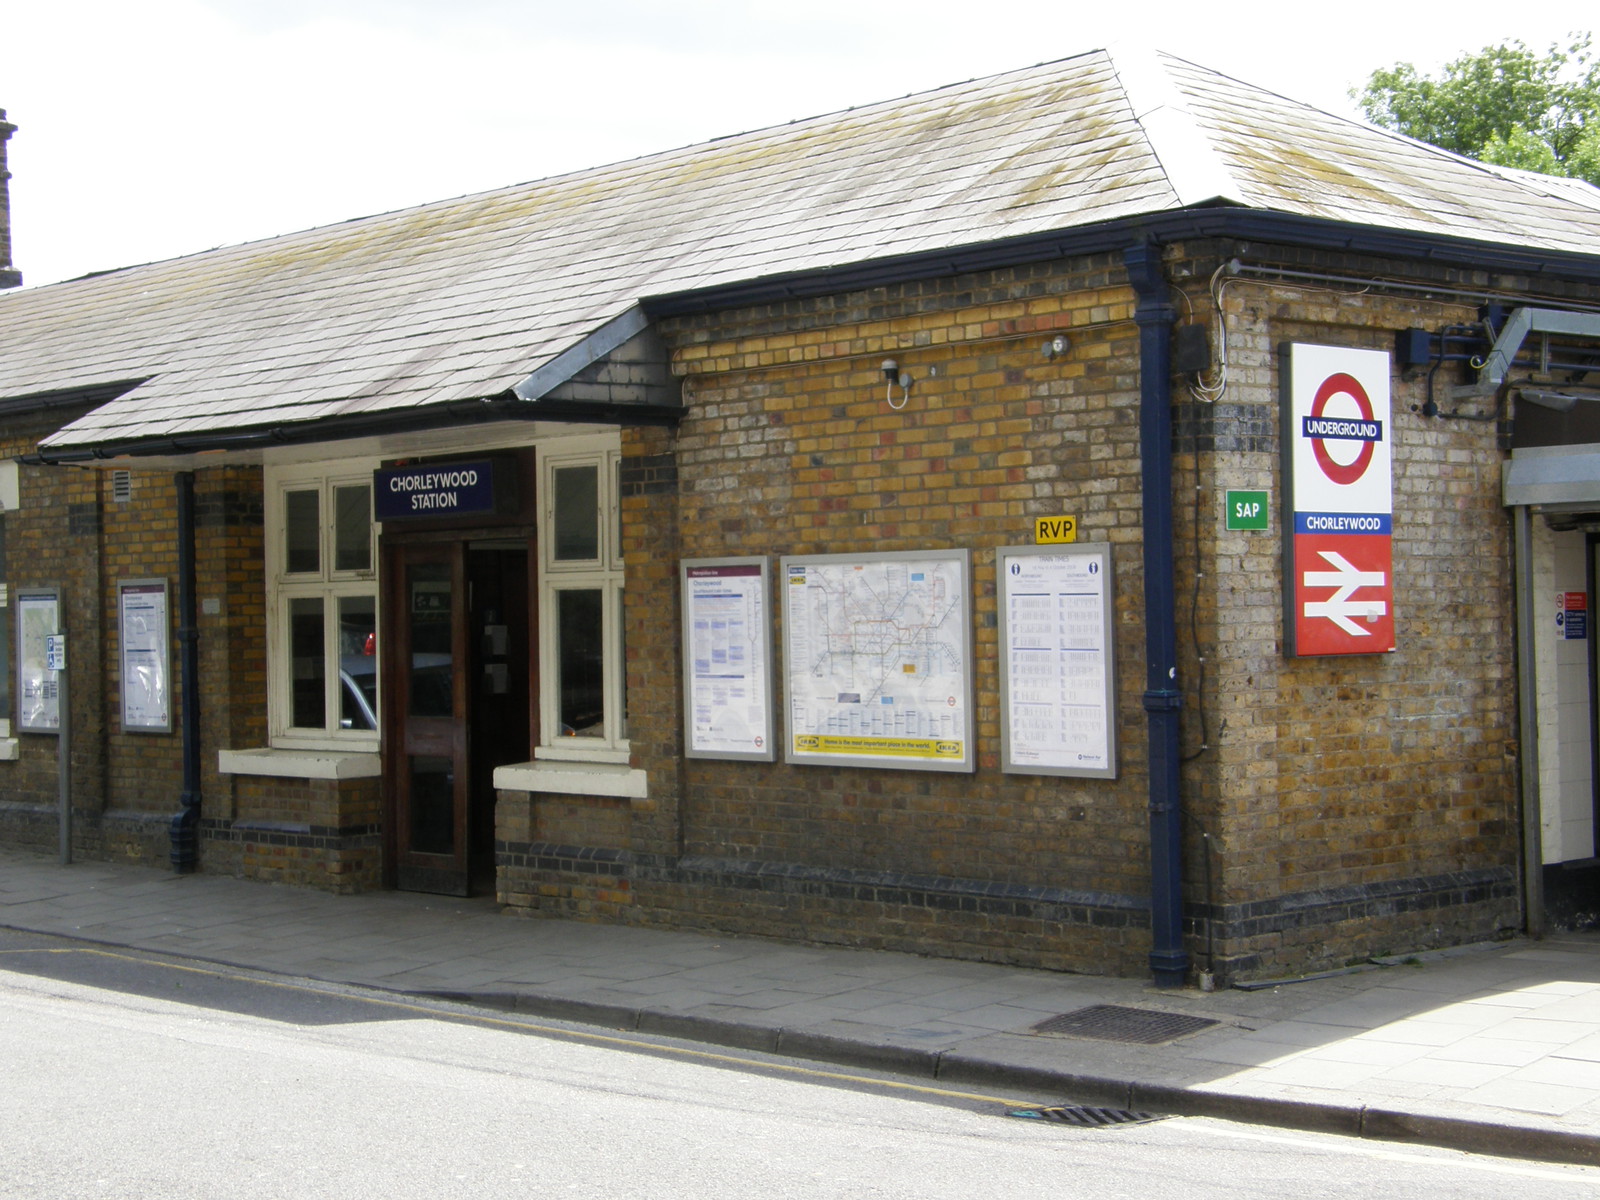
432	688
358	691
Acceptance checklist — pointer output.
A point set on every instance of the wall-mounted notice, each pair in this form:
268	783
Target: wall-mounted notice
877	659
146	656
1572	615
727	657
1058	676
38	687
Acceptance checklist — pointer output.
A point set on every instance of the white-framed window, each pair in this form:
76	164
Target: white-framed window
322	606
583	692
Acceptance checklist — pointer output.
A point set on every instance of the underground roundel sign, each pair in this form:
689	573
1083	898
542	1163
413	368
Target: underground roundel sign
1337	441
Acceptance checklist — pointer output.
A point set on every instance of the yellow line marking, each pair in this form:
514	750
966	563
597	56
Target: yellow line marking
556	1031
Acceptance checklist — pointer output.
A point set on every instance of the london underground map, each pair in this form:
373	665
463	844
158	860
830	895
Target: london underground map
877	653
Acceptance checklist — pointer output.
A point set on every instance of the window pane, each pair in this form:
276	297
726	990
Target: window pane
358	662
307	665
432	683
352	528
581	659
302	530
577	505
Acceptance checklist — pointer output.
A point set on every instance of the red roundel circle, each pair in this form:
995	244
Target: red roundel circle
1334	385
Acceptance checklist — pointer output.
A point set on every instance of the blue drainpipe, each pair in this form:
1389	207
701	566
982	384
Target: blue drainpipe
1169	963
185	828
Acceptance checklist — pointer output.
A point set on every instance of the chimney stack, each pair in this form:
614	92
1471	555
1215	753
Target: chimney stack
10	277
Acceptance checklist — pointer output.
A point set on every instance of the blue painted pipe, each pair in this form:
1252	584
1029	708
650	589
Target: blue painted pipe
1169	962
185	829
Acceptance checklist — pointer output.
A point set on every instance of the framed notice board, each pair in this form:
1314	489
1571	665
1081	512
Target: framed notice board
38	687
1058	667
877	660
144	630
727	658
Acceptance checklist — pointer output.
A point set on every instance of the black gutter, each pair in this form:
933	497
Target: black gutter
1186	224
185	830
1154	315
436	416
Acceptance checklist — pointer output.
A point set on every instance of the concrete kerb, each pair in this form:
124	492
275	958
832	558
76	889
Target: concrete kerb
1348	1120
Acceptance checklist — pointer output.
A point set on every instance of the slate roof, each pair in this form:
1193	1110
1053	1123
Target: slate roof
467	298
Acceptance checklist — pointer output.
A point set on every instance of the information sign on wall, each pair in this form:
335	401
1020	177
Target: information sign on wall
877	656
727	656
1247	510
38	687
1057	673
143	626
1572	615
1338	561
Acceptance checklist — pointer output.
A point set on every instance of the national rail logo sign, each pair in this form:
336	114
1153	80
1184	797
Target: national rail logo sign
1338	523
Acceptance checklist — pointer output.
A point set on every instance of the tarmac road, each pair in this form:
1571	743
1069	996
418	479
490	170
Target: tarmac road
133	1074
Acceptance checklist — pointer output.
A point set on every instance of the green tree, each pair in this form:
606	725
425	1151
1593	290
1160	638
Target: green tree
1504	105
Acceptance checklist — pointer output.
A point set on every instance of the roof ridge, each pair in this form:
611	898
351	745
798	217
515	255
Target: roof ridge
1195	171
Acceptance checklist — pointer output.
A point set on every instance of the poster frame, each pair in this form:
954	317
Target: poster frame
32	670
1102	552
132	721
961	560
761	657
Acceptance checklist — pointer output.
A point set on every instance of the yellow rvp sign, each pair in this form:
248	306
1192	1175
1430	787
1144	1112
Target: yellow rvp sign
1051	530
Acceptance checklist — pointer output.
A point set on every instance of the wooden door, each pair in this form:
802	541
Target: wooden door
426	738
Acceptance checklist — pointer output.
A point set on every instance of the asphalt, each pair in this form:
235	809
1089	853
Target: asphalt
1492	1048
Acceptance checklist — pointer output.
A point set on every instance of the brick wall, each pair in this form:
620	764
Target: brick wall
1335	808
1363	805
789	447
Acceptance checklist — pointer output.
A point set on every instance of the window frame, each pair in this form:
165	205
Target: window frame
603	573
326	585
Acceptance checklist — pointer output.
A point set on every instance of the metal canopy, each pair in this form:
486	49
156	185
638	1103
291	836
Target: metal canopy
1553	478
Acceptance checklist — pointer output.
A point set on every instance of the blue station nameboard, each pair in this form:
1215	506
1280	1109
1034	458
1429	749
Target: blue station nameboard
434	490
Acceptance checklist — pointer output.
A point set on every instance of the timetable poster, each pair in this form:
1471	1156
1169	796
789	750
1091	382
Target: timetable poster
727	654
146	683
1057	679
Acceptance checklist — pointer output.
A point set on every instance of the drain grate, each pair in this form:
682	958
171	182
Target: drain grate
1085	1117
1116	1023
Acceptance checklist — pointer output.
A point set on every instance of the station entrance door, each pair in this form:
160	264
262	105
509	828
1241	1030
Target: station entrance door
458	683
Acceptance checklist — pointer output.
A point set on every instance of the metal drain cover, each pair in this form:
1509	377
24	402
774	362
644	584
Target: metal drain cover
1085	1117
1116	1023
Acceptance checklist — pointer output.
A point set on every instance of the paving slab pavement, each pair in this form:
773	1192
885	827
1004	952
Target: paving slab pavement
1490	1048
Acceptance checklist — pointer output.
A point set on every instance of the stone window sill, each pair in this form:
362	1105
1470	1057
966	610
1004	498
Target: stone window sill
573	779
300	764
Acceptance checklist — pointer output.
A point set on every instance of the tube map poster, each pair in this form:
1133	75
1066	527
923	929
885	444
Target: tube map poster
877	660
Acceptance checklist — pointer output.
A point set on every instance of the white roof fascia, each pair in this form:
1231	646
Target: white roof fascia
585	353
1180	143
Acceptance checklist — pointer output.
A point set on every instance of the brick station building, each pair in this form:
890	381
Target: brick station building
382	549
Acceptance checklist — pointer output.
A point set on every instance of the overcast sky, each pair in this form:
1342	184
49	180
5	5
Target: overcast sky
153	128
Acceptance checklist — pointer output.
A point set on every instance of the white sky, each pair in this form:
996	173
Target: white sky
153	128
